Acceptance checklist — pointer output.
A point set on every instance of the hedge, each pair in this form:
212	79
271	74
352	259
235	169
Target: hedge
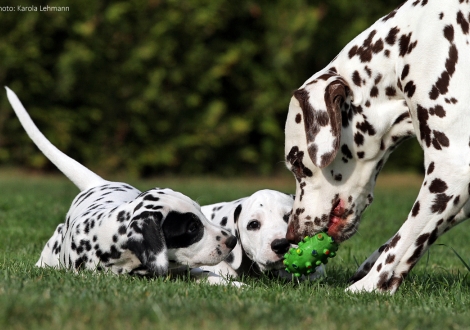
168	86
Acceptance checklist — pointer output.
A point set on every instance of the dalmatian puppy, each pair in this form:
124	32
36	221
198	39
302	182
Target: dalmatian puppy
113	226
260	224
404	76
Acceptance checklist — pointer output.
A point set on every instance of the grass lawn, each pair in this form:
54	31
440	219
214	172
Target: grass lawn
436	294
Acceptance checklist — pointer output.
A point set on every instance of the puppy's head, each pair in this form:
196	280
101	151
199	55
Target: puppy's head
168	227
260	223
262	226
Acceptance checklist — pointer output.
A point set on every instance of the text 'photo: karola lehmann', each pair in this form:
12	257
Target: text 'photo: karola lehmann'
21	8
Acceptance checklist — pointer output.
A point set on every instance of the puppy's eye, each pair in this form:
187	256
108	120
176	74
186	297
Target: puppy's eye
253	225
192	228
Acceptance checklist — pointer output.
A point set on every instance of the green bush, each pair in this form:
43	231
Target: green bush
181	86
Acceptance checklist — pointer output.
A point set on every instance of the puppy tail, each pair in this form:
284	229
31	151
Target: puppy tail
82	177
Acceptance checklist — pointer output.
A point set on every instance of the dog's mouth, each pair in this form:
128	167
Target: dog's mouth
335	225
272	265
337	215
173	264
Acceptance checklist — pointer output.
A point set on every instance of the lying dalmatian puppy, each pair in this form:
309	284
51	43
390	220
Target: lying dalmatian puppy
260	224
407	75
113	226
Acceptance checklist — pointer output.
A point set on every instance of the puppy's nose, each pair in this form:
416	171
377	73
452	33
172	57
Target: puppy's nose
280	245
231	242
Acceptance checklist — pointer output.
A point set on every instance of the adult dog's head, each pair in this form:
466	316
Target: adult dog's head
337	140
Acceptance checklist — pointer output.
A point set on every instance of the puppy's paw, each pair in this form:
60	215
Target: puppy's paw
217	280
213	278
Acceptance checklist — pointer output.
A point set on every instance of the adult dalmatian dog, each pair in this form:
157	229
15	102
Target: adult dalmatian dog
259	221
113	226
407	75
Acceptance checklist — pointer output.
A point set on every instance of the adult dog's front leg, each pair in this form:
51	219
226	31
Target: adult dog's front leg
435	210
367	265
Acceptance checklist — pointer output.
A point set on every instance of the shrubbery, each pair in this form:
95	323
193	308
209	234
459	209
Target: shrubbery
181	86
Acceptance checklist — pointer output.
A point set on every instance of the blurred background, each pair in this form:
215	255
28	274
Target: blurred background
160	87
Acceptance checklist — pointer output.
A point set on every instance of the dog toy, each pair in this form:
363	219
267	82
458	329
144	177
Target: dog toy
310	253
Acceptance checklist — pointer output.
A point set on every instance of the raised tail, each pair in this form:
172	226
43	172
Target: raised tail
82	177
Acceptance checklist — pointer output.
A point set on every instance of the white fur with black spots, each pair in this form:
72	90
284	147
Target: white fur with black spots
260	223
404	76
115	227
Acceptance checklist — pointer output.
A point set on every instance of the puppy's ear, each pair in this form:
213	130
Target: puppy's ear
235	258
322	126
147	242
241	263
230	222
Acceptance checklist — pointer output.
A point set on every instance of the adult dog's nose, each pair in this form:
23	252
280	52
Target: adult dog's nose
280	245
231	242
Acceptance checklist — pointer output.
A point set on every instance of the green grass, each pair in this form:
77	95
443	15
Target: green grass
436	294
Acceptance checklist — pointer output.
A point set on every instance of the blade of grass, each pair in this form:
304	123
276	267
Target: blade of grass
458	256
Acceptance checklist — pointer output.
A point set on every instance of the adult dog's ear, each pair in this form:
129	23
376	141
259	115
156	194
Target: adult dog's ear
147	242
322	126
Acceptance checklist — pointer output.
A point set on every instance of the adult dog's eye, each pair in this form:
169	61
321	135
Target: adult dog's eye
286	217
253	225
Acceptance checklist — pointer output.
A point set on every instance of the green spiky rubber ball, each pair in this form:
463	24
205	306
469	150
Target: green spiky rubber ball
311	252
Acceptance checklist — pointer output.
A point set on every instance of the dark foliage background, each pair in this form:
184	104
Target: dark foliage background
170	86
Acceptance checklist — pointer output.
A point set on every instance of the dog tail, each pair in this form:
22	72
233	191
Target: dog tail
82	177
